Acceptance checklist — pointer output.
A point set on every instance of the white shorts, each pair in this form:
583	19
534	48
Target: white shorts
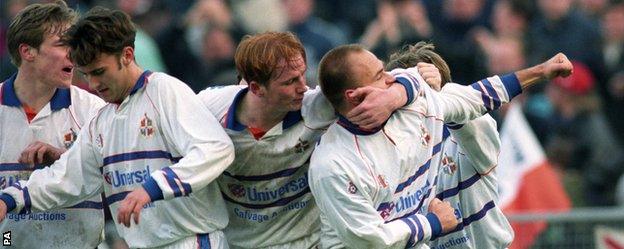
214	240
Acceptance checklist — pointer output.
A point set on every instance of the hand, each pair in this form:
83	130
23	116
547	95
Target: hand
132	204
40	153
3	210
445	213
557	66
375	106
431	74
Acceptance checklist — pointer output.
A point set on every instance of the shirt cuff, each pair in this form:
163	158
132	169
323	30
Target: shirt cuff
436	227
153	190
9	201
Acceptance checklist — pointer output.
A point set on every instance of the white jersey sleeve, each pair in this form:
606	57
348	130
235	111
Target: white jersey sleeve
480	142
213	97
349	210
205	148
83	98
55	186
459	103
317	111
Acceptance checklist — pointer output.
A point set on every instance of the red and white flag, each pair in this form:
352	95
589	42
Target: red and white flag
527	181
609	238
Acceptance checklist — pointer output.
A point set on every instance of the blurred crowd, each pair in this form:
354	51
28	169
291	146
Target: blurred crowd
579	120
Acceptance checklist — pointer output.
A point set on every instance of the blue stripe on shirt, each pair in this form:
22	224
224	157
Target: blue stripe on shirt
278	203
460	186
512	85
88	204
19	167
473	218
116	197
153	154
203	241
408	88
27	204
484	97
492	92
266	177
410	224
185	186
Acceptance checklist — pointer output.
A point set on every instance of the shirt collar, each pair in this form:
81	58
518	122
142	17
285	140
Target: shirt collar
291	118
355	129
61	98
141	81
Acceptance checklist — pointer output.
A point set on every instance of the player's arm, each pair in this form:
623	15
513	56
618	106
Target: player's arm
218	98
459	104
70	180
480	142
205	148
358	224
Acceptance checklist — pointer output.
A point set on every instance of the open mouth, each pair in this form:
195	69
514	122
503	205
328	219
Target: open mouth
68	69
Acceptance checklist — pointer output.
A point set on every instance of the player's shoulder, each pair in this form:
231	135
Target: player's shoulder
333	152
160	79
80	95
223	93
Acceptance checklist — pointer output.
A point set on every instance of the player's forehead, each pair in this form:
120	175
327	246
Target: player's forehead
289	67
101	61
365	65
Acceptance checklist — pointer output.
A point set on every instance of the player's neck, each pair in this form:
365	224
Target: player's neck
31	90
253	112
132	75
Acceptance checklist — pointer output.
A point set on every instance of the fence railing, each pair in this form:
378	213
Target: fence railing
573	229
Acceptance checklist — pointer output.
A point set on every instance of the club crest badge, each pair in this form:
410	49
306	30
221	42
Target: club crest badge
449	166
302	146
382	181
352	188
99	141
146	127
425	137
69	138
237	190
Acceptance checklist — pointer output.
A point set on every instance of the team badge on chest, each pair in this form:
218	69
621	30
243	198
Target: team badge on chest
425	138
302	146
69	138
146	127
449	166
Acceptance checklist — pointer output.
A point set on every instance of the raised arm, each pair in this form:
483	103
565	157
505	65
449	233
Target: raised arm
459	104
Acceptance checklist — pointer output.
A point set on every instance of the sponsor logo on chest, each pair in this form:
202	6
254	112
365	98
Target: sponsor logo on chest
120	178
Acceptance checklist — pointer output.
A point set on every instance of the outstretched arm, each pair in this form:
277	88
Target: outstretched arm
70	180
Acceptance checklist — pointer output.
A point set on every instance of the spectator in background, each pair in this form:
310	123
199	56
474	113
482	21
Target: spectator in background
593	9
146	50
561	28
398	22
200	45
612	90
351	16
317	35
454	22
581	140
8	10
510	19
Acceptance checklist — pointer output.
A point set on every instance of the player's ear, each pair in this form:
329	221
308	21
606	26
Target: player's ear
27	52
127	55
348	95
256	88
